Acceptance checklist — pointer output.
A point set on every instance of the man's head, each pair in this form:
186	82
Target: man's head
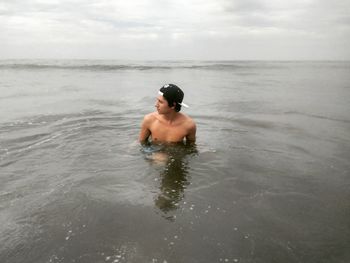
173	94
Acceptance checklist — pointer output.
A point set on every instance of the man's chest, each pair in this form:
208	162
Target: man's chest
169	133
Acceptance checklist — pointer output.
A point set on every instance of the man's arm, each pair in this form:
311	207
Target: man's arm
191	136
145	131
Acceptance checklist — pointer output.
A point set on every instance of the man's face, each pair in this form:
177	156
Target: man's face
162	105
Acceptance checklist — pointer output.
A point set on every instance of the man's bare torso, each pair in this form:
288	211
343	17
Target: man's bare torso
162	130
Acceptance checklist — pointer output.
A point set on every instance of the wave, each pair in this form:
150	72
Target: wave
96	67
316	116
23	136
111	65
119	67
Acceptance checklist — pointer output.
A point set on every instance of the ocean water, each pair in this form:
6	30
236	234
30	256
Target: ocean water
267	181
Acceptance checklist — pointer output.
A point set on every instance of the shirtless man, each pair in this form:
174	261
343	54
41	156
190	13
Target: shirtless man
167	124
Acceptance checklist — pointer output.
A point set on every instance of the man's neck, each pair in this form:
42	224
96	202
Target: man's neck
170	117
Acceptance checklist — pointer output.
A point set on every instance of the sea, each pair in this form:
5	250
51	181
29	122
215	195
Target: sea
268	179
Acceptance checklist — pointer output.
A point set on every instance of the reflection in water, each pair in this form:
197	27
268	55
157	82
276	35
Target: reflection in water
174	172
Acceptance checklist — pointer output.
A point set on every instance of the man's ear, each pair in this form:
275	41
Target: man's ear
174	105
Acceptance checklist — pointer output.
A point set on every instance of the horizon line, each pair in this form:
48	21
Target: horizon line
190	60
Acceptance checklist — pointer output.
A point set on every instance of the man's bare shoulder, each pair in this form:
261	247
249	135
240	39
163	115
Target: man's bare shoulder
150	116
188	121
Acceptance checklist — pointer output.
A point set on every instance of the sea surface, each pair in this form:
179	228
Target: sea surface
267	181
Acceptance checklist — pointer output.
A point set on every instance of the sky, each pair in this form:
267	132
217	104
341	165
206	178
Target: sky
176	29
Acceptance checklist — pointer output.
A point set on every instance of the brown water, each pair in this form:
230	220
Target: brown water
268	181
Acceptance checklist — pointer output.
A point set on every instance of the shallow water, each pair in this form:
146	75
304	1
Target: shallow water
268	180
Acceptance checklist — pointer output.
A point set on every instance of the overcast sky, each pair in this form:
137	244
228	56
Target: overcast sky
175	29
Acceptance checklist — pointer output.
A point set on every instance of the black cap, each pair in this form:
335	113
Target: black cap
172	92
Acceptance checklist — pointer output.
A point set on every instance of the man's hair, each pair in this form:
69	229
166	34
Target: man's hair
174	95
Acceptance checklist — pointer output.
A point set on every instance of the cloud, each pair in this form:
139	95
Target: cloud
169	28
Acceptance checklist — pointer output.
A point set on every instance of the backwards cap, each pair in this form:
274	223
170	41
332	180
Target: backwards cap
173	93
